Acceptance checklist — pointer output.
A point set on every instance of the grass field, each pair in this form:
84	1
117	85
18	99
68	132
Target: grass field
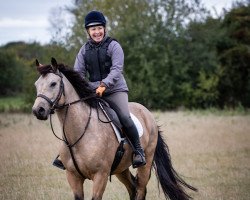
212	152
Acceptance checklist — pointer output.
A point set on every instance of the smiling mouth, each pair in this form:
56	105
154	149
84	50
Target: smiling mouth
98	36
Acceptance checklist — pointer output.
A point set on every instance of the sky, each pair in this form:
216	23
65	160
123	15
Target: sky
28	20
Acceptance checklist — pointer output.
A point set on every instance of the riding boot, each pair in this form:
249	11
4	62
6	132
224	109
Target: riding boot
58	163
139	155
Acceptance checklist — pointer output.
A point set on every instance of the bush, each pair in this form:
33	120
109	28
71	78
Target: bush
11	75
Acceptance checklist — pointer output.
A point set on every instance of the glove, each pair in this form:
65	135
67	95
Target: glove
100	90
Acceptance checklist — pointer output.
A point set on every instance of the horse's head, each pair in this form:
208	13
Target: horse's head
49	89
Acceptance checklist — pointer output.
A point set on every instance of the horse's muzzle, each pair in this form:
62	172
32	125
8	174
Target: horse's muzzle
40	113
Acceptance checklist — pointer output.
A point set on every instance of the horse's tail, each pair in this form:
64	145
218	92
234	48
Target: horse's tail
171	183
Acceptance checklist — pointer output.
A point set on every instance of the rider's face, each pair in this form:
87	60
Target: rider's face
96	33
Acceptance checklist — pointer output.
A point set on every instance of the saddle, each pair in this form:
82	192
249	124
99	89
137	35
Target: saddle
112	118
110	115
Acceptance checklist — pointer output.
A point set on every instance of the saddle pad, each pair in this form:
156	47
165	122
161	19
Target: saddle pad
137	124
111	115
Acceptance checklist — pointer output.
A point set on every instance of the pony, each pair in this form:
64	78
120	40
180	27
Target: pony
89	146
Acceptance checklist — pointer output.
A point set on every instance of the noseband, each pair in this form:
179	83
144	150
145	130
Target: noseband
54	104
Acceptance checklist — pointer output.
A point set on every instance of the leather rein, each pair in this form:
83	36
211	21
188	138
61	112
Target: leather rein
54	105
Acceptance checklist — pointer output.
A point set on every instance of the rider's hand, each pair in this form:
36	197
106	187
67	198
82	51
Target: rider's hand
100	90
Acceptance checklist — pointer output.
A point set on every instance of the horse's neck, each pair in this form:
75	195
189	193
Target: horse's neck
76	112
70	93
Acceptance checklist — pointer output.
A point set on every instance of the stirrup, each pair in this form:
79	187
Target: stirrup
58	163
138	159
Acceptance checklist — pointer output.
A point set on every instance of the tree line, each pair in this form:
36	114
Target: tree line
176	53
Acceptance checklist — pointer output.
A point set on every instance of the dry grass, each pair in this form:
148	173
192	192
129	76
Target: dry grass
213	152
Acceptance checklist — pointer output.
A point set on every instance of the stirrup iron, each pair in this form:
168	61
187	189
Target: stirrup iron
138	159
58	163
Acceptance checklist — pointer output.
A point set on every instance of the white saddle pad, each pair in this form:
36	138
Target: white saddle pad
137	124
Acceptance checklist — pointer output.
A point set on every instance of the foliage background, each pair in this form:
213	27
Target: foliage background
177	55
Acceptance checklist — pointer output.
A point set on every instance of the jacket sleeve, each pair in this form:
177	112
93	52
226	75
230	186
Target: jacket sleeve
117	57
80	67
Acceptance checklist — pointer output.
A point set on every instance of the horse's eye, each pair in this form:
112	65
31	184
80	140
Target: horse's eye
53	84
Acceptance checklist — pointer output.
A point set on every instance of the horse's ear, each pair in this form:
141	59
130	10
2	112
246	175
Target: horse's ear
38	64
39	67
54	64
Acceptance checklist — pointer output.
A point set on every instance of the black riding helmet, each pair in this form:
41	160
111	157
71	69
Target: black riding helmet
94	18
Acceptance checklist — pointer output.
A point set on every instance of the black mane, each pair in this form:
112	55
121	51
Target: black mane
80	85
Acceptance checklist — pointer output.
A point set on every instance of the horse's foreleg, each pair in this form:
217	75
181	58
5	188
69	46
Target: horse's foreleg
99	184
129	181
76	184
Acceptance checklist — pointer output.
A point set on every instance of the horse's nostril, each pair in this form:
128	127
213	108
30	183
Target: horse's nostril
41	111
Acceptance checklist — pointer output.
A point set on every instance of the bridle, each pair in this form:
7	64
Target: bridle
54	105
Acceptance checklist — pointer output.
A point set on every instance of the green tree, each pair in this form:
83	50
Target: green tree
17	63
149	32
234	55
200	64
11	75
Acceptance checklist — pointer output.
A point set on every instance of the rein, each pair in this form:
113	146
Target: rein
54	105
65	116
64	139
